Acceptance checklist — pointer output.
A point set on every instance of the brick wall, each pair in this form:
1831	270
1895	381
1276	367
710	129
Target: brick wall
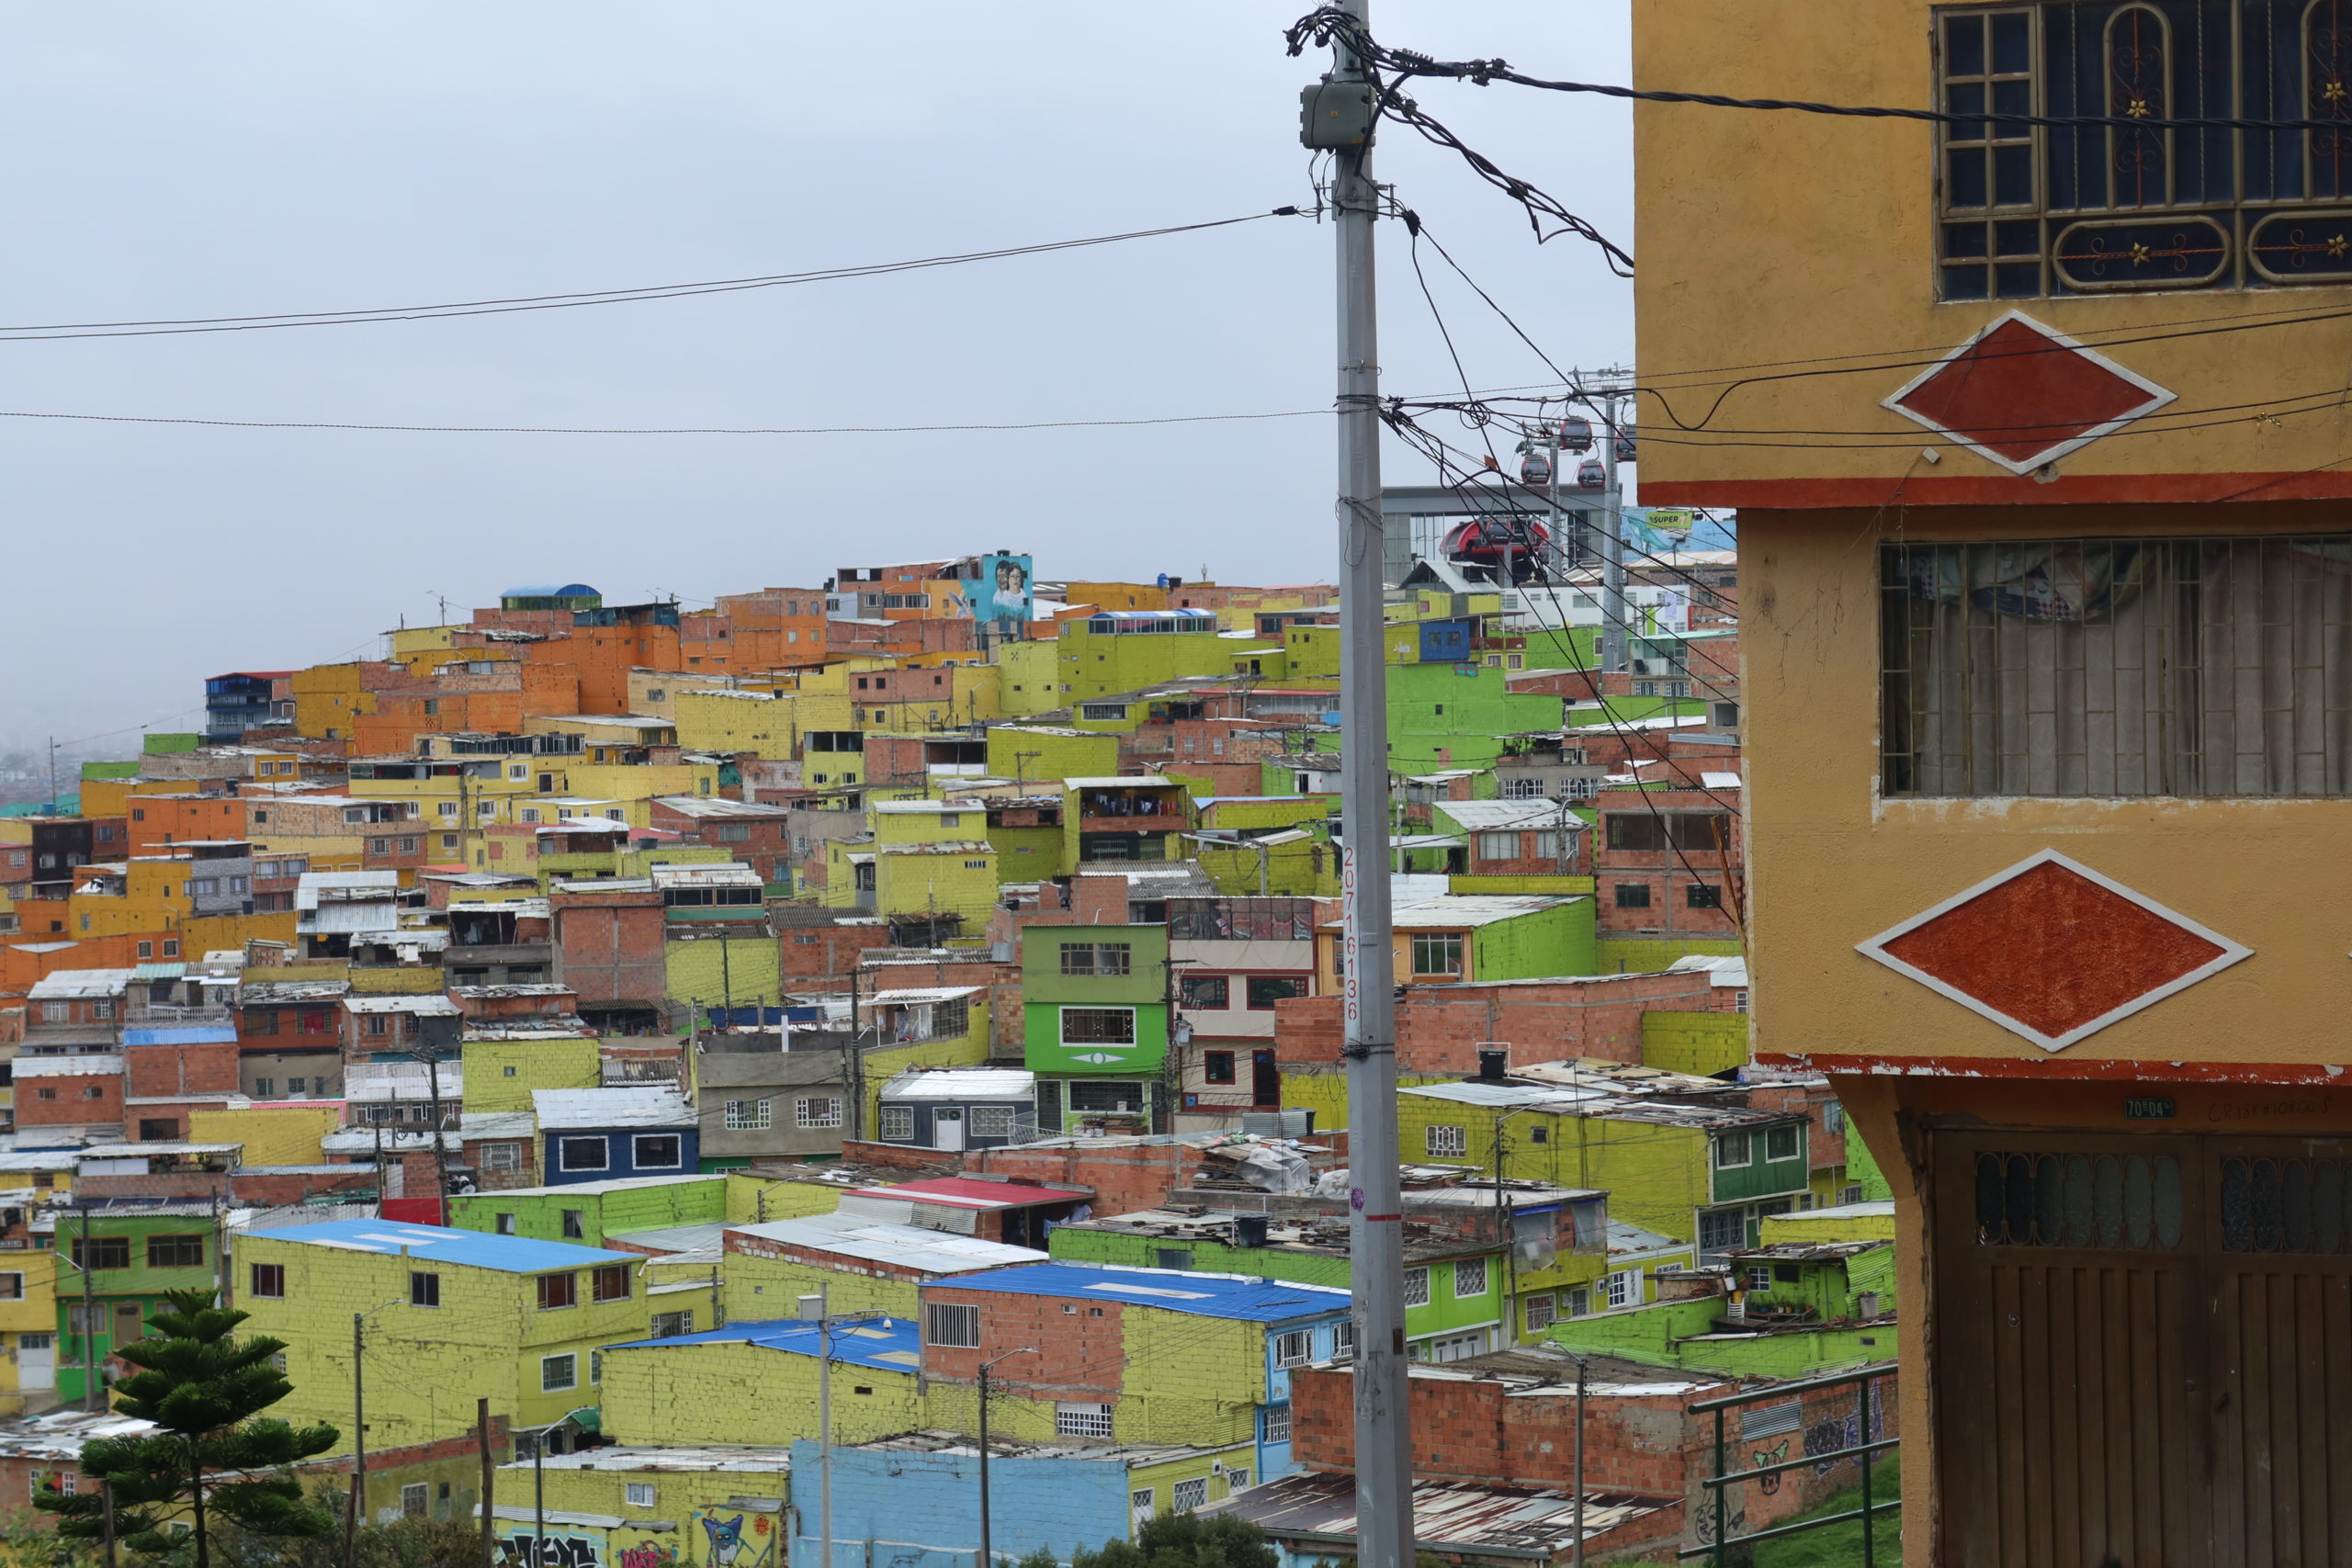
1442	1030
207	1067
1082	1353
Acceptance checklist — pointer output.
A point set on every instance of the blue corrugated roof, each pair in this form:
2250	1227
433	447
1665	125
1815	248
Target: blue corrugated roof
1172	1290
549	591
891	1344
470	1249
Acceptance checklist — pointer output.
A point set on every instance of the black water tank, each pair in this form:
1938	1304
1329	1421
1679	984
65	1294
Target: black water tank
1492	1064
1249	1230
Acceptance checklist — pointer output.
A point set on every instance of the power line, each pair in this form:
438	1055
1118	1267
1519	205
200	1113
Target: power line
678	430
361	315
1329	23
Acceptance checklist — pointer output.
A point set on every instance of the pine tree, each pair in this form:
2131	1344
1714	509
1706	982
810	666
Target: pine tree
208	1458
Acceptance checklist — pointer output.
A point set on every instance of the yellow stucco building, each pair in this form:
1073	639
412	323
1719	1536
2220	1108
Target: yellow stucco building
2042	577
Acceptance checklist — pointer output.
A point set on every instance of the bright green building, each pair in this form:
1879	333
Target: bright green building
1798	1309
113	1269
588	1211
1694	1170
1094	1015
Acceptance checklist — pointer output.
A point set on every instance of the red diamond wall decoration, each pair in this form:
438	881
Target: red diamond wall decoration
2051	950
2021	394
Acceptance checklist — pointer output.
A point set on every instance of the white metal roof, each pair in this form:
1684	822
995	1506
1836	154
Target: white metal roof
713	806
1132	780
61	983
1496	816
924	994
424	1007
561	1108
731	874
962	1083
878	1241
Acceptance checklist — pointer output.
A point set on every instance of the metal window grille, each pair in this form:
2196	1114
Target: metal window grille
1417	1287
957	1327
1277	1424
823	1110
1455	1141
1186	1496
2191	667
898	1122
1094	1421
1292	1349
1098	1026
1469	1278
992	1120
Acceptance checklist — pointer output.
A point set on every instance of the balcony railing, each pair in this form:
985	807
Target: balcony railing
1864	1449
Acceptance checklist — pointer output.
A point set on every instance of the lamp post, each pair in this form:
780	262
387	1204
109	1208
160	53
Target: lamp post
986	1557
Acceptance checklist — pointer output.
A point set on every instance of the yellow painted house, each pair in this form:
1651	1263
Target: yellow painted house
649	1508
446	1316
922	857
754	1382
28	1325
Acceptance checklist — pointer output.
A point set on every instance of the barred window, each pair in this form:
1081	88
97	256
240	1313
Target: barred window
897	1122
1277	1430
748	1115
1186	1496
2119	667
1098	1026
1293	1348
992	1120
1444	1140
1094	1421
823	1110
2098	208
953	1326
1417	1287
1469	1279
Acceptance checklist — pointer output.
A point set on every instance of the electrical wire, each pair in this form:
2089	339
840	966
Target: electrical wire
1330	25
363	315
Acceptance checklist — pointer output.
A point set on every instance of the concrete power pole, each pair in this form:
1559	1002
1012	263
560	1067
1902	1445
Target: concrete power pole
1613	654
1338	118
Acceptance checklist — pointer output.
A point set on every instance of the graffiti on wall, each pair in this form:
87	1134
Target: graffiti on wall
1837	1434
645	1554
744	1541
1757	1459
527	1550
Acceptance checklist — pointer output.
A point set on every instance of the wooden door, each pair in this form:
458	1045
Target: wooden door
2070	1389
2281	1349
2143	1350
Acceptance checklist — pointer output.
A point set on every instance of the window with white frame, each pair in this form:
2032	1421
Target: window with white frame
1734	1150
816	1111
1277	1424
1187	1496
1625	1288
1417	1287
417	1500
1539	1313
749	1115
1522	789
897	1122
1293	1348
953	1324
559	1372
992	1120
670	1324
1098	1026
1469	1279
638	1494
1343	1340
584	1153
1498	846
657	1151
1094	1421
1442	1141
502	1157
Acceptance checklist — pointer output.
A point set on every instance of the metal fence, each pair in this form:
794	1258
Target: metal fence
1863	1449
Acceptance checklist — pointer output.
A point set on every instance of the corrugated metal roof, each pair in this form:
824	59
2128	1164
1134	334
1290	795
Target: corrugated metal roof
888	1344
65	984
422	1006
967	1192
962	1083
904	1247
599	1108
469	1249
596	1189
1196	1295
69	1066
1492	1520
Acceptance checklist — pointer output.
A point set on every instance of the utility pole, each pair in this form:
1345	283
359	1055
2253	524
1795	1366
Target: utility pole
988	1556
1612	544
489	1486
359	1438
93	1388
1338	116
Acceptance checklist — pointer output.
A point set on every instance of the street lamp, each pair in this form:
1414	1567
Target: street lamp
987	1560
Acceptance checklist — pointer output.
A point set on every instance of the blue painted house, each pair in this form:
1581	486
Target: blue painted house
599	1135
912	1500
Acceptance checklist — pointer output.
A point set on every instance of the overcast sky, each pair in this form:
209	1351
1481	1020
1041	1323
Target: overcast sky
179	161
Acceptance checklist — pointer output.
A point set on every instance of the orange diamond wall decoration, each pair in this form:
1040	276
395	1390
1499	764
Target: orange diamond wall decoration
2052	951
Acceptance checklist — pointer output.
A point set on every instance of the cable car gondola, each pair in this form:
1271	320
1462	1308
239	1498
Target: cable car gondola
1590	475
1625	446
1535	469
1485	541
1576	433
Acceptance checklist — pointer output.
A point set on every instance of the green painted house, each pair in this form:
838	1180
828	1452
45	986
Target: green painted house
1449	714
1692	1167
113	1269
1094	1015
1453	939
1798	1309
589	1212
